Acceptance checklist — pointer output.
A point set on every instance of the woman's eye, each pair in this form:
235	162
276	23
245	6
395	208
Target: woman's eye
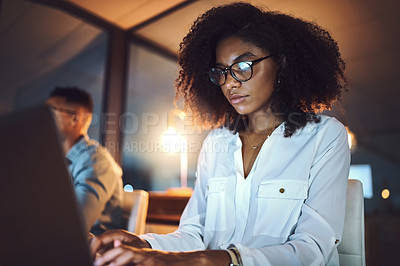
243	66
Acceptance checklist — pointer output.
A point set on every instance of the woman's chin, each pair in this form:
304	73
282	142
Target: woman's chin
241	111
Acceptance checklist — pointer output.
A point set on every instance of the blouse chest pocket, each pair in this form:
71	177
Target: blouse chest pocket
215	185
216	206
279	205
288	189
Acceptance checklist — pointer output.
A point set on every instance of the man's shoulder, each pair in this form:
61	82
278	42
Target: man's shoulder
95	148
95	153
87	148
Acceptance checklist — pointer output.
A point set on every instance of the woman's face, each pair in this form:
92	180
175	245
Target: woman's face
252	96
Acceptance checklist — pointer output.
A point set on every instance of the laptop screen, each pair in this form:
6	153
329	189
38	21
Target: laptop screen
40	220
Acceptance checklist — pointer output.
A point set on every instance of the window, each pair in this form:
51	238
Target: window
42	48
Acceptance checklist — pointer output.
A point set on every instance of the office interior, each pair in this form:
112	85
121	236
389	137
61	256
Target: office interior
125	54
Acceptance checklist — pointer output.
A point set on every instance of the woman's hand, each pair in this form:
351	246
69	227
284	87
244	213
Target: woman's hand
89	237
125	255
105	241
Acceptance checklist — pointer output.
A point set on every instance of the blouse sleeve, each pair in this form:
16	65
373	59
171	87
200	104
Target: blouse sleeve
320	225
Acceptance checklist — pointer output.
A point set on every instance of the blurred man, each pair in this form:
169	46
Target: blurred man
96	176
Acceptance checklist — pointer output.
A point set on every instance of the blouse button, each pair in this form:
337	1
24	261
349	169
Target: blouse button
281	190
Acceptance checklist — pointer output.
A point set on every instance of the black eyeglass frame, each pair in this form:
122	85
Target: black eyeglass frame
225	70
62	110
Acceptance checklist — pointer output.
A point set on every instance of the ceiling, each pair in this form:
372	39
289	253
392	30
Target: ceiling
126	13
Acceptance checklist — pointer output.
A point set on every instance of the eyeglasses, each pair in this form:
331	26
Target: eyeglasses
71	112
241	71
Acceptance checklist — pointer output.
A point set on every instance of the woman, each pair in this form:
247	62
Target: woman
275	195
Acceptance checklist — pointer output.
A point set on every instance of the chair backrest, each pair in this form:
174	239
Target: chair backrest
352	248
135	211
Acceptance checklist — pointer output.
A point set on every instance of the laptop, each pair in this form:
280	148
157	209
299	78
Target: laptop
40	222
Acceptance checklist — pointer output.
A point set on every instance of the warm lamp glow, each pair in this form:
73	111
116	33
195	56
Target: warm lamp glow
184	163
171	141
385	193
351	138
182	115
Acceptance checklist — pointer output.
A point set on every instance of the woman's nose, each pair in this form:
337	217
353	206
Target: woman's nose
230	81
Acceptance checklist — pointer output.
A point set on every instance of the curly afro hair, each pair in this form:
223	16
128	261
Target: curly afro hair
310	68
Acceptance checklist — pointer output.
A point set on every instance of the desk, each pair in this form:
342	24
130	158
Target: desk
165	210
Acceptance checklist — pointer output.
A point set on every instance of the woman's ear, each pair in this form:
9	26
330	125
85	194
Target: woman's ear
75	118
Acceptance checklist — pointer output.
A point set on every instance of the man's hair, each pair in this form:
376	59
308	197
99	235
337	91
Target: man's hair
74	95
310	73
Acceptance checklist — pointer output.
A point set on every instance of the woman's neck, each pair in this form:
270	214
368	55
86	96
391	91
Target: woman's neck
263	122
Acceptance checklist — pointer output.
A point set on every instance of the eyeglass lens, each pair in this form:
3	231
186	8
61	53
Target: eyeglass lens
241	71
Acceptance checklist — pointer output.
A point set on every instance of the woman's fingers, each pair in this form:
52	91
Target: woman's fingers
108	238
125	258
117	243
95	245
110	256
124	255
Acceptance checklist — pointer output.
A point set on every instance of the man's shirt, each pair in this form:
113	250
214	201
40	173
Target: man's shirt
97	180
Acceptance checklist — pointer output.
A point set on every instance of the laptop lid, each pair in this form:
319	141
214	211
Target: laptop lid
40	223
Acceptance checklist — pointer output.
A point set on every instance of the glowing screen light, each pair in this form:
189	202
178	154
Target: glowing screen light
128	188
363	173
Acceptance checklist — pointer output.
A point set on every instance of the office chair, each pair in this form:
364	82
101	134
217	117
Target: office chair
134	211
352	248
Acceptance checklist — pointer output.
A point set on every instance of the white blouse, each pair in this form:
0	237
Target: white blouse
288	211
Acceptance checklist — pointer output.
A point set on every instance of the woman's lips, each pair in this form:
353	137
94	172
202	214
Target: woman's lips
235	99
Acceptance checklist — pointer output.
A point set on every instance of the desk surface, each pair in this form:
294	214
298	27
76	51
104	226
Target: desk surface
166	207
